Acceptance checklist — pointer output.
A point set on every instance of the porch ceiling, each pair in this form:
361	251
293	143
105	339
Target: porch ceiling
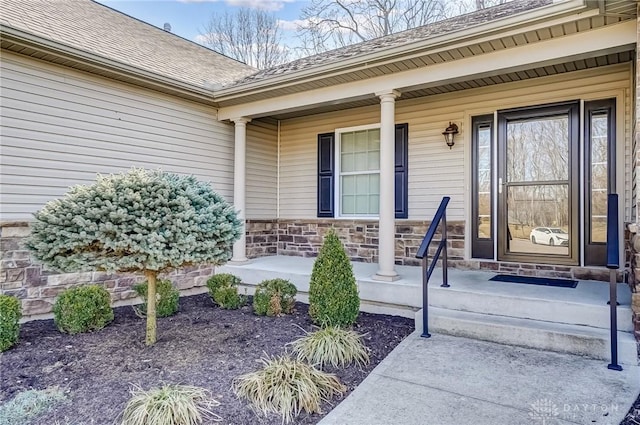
575	65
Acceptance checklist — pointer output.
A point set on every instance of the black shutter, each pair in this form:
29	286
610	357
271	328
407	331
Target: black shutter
402	171
326	171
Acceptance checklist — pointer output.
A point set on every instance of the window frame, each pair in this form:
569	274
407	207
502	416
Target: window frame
595	252
338	171
482	247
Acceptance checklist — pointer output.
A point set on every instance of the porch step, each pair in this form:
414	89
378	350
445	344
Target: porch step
470	291
559	337
559	305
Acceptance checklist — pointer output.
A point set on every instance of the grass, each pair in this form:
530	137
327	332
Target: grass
331	345
287	386
169	405
30	404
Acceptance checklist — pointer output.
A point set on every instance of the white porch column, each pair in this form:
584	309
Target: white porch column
239	186
386	225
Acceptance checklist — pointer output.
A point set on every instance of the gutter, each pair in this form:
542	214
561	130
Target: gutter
381	56
146	78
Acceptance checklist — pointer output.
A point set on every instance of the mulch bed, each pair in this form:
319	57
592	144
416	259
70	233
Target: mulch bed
633	417
202	345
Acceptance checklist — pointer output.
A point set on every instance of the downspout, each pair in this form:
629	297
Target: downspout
278	190
278	175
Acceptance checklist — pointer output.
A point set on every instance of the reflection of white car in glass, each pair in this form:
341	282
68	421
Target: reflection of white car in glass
549	236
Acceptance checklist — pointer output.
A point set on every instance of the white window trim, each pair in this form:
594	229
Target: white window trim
337	189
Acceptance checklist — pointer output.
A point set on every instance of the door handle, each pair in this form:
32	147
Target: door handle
500	185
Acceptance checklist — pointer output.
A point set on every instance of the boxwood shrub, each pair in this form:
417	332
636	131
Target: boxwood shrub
333	294
166	301
83	309
223	289
10	313
274	297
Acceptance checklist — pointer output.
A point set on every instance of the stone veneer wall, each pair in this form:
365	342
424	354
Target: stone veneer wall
360	237
37	288
262	238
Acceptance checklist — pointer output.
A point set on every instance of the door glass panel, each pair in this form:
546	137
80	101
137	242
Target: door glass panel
484	182
538	149
538	219
599	177
537	186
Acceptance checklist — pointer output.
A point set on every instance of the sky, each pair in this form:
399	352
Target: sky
188	17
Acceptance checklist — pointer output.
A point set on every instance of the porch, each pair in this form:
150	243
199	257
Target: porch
570	320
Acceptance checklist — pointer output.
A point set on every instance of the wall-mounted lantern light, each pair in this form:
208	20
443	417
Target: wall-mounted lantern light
449	134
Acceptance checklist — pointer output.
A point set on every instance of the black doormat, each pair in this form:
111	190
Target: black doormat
544	281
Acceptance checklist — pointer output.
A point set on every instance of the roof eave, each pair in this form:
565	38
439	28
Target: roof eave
117	70
553	10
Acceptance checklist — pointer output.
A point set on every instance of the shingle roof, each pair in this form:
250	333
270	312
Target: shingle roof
435	29
100	30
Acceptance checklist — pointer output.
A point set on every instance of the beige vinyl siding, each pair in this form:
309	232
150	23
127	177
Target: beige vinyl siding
435	170
298	160
262	162
60	127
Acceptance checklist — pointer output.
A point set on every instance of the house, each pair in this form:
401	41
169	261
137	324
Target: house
539	95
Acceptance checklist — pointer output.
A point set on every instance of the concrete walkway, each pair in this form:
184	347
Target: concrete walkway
448	380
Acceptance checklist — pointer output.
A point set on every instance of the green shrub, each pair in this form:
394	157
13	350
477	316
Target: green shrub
286	386
333	294
10	313
331	345
169	405
83	309
223	289
29	404
274	297
166	298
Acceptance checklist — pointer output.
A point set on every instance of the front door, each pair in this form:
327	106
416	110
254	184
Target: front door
538	187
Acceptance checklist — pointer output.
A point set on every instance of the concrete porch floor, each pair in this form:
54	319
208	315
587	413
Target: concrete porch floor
574	321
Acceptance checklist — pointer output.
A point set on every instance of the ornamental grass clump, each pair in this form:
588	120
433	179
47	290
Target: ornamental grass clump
169	405
286	386
274	297
30	404
223	289
82	309
10	314
141	221
331	346
333	294
166	299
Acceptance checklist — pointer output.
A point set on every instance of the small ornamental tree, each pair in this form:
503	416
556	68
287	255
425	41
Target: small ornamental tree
333	294
140	221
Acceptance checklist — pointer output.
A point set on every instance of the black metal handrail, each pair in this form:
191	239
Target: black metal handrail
440	218
613	263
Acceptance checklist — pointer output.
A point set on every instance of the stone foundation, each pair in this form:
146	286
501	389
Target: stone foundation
37	288
262	238
360	237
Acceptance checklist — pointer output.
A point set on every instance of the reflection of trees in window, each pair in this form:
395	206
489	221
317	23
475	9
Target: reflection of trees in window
538	151
599	176
484	181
